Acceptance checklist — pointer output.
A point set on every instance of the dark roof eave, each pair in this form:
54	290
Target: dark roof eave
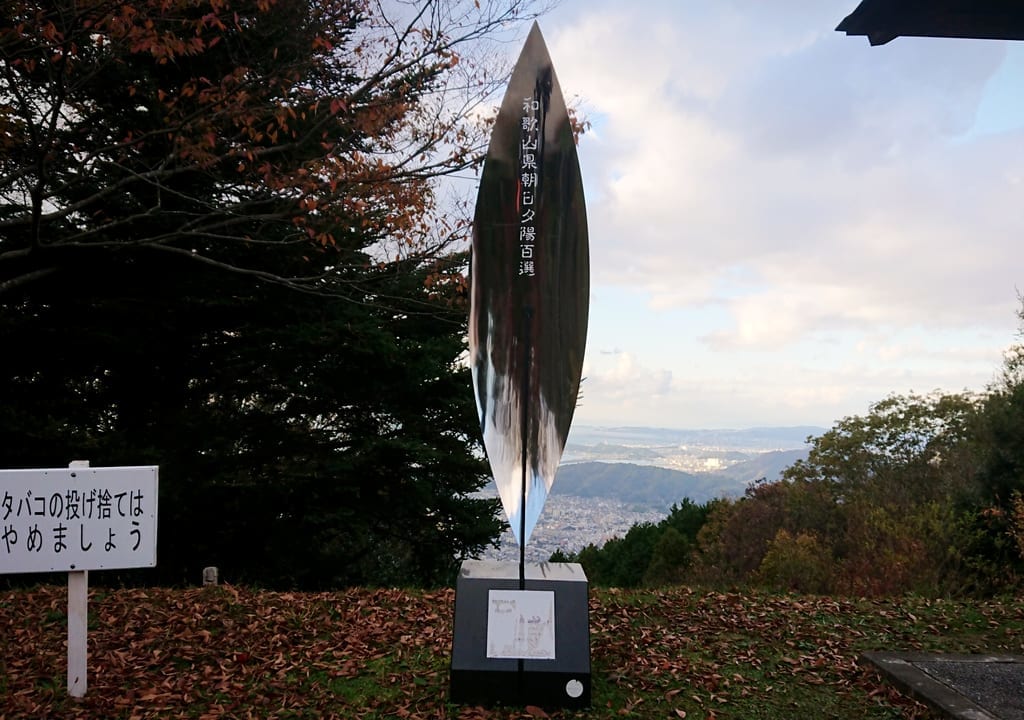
883	20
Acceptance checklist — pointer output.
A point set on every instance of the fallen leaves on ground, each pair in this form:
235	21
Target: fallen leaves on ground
230	652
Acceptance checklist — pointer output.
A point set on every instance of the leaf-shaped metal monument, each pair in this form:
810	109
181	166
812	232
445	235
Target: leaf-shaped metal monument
530	279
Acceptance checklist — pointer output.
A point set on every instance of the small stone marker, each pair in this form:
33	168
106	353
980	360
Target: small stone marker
209	575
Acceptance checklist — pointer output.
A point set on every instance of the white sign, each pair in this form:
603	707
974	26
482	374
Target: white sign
71	519
521	624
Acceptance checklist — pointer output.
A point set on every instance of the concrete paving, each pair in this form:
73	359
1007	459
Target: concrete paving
963	687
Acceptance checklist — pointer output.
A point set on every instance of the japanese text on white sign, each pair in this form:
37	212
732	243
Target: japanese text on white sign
66	519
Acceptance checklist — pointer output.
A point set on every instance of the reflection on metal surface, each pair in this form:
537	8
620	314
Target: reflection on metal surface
530	280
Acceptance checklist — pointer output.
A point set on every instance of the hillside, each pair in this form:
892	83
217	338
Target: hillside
644	485
768	465
657	487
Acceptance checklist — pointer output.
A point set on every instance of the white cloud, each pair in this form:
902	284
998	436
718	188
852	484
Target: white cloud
626	380
789	188
795	153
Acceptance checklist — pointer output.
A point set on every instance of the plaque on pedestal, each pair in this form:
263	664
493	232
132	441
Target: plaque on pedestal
515	646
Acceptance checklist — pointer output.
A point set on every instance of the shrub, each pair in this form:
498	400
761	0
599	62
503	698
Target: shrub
800	563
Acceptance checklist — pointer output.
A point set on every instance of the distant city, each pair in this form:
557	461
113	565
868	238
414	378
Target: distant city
613	478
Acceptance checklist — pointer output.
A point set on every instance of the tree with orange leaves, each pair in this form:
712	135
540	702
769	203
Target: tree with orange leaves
219	131
222	251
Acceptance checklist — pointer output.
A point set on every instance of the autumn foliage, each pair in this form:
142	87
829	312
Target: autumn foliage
888	503
923	494
231	211
211	129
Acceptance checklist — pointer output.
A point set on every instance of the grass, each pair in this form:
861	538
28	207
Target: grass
237	652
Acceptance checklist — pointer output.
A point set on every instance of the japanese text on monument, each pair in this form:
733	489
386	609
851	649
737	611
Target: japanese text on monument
528	185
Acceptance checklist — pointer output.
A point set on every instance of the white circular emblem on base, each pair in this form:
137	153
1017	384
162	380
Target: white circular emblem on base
574	688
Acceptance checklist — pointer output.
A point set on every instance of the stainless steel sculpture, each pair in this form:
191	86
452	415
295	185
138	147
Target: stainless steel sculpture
530	280
527	331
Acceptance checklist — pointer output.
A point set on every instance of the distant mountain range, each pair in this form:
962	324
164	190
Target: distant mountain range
767	465
640	485
648	486
760	438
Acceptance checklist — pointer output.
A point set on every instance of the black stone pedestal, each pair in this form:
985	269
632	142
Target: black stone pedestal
516	647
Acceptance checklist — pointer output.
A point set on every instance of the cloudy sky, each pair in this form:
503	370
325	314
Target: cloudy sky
787	224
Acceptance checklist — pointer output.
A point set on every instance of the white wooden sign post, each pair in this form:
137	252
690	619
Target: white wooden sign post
75	520
78	622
